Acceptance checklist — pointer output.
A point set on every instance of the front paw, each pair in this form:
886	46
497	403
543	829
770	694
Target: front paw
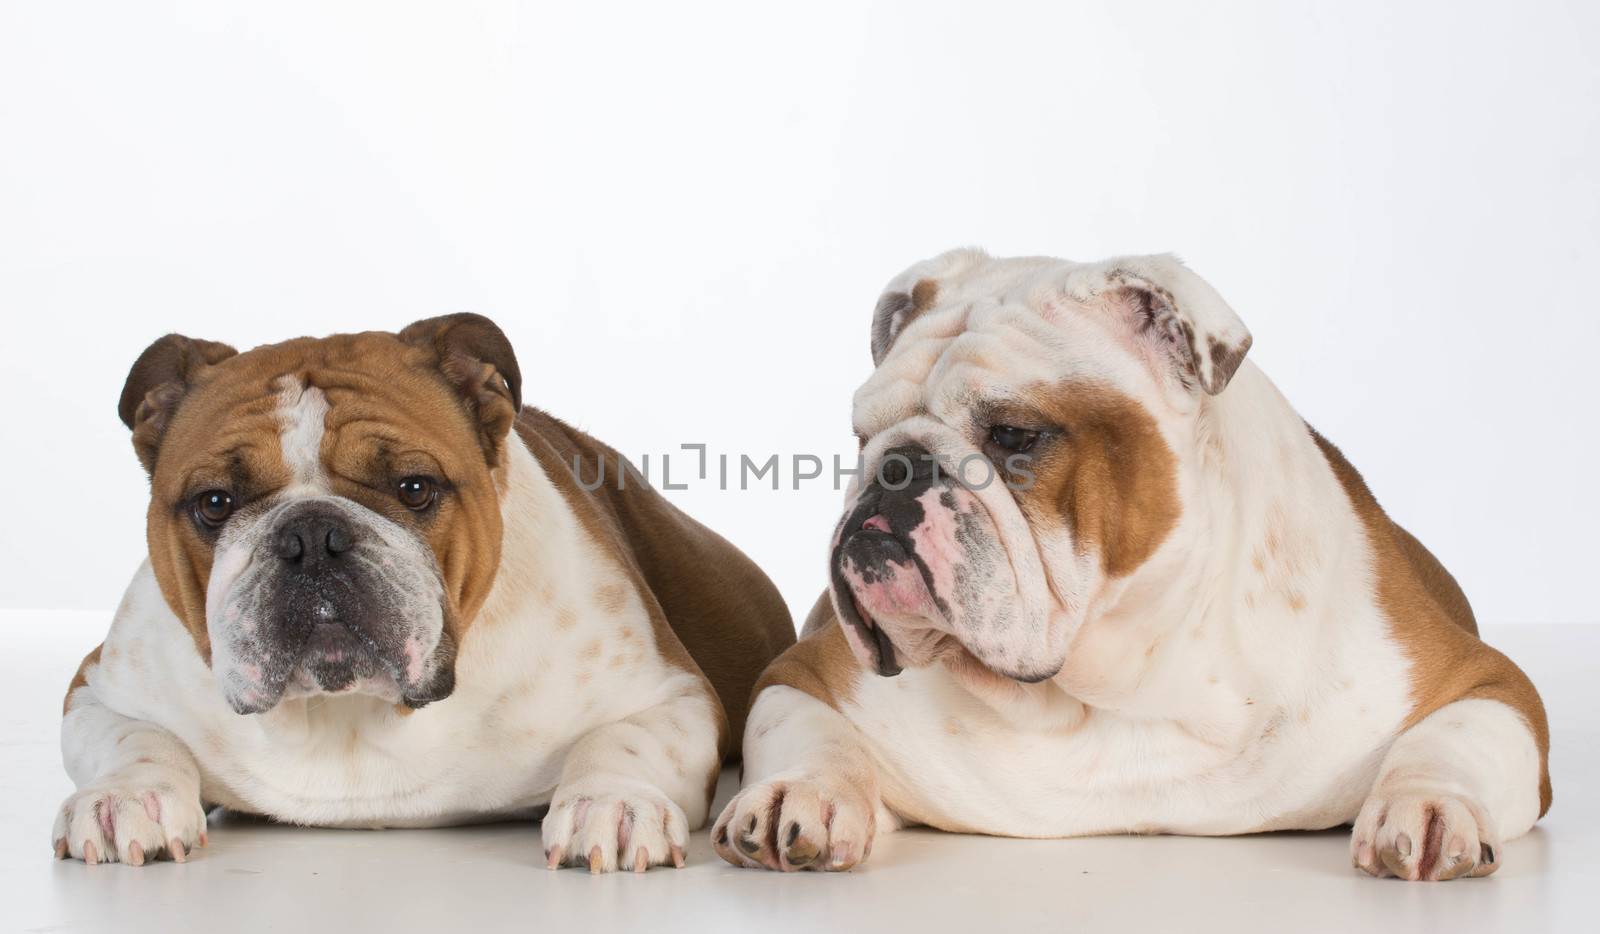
131	822
800	822
1424	837
609	824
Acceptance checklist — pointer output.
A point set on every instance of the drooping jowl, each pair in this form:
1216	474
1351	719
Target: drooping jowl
1193	617
374	597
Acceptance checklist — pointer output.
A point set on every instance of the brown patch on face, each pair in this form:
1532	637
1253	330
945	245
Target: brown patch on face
391	413
1111	479
81	678
820	664
224	435
713	613
1429	615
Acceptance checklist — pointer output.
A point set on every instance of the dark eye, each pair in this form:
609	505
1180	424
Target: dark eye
213	507
1011	438
417	493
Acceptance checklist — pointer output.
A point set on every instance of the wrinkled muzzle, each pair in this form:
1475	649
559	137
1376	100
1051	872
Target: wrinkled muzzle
919	572
321	595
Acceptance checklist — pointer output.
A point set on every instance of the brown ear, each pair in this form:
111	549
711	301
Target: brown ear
158	381
475	356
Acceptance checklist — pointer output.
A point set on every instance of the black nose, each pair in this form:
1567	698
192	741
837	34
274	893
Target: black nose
904	465
890	501
309	539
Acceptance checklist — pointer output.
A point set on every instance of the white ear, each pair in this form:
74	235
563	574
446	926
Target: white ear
1171	304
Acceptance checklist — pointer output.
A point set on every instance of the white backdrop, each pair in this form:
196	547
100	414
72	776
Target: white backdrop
682	216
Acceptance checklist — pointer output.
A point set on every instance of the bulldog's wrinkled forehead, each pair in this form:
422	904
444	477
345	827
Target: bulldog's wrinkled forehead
409	428
304	411
975	330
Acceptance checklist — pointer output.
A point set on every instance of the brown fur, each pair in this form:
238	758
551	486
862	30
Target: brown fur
820	664
81	678
1225	359
391	410
1112	479
714	612
476	358
1429	615
439	398
895	311
923	295
156	383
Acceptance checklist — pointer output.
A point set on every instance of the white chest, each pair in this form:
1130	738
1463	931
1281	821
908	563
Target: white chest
531	679
1237	751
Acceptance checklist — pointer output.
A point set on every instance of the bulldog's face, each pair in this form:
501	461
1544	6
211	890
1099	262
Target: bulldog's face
324	514
1023	442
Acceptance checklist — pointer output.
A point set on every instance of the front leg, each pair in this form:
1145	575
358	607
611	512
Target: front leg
811	795
138	787
1451	790
631	790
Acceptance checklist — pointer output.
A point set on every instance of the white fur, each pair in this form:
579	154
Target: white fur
553	691
1200	694
302	415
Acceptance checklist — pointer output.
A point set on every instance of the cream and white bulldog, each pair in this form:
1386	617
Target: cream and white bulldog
377	596
1098	577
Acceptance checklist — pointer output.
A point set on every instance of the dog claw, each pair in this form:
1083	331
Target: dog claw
129	820
612	832
748	843
1421	837
677	857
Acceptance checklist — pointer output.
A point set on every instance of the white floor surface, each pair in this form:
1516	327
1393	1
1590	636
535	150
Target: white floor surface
260	877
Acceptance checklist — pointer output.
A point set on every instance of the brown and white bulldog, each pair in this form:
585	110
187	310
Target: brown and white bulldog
376	596
1098	577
